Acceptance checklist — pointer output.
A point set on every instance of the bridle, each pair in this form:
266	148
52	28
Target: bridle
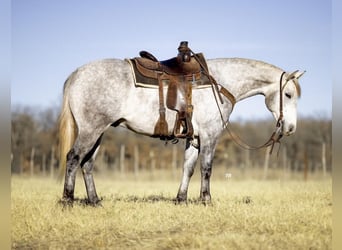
277	133
219	89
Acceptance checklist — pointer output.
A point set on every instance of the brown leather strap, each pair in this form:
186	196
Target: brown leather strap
274	138
227	94
276	135
214	84
161	127
161	94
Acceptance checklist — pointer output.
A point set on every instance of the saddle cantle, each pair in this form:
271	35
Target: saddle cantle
179	74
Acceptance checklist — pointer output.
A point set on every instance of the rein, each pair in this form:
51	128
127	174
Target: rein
276	135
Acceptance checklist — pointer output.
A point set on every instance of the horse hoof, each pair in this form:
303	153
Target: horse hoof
181	201
66	202
206	201
94	203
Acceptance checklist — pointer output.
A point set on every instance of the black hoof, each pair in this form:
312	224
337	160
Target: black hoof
66	202
94	203
205	200
181	201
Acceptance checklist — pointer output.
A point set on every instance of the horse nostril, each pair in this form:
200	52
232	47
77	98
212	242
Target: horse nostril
291	128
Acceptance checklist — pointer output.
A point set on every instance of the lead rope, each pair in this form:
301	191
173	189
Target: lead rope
276	135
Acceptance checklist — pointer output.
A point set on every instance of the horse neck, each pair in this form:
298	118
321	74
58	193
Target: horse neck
245	77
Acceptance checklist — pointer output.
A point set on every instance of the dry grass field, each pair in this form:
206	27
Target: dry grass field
141	214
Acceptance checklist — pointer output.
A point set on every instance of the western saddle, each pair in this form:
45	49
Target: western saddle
179	74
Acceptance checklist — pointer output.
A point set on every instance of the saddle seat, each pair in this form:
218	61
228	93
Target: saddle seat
172	67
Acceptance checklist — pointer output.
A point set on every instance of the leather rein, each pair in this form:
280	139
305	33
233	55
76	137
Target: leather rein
219	89
277	133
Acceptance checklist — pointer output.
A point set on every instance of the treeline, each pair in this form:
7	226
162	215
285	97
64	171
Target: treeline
35	146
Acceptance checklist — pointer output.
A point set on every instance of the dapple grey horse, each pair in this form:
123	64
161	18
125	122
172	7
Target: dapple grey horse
103	94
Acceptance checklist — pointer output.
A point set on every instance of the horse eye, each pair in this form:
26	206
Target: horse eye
288	95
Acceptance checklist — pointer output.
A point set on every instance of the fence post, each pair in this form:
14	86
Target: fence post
324	162
136	160
174	161
306	164
44	164
22	159
266	163
284	162
153	163
52	162
122	159
32	161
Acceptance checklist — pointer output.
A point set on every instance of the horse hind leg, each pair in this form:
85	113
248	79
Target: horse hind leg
87	166
81	154
70	175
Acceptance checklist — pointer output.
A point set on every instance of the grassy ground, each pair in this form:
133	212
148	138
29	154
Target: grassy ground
142	215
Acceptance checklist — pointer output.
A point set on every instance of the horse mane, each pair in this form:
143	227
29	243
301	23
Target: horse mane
248	61
254	62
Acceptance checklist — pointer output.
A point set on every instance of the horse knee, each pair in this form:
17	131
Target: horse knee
206	173
189	170
206	169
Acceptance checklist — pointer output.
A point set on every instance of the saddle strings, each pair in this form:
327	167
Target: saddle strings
276	135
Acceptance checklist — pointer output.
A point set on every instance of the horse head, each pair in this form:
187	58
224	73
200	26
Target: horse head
282	101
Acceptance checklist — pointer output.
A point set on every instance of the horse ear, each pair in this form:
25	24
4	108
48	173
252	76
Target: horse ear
299	74
292	75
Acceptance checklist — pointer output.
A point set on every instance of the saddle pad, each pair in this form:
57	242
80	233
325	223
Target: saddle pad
147	82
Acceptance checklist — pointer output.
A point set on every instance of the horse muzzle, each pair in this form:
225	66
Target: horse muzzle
288	129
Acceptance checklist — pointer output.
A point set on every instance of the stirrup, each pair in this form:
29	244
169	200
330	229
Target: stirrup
187	129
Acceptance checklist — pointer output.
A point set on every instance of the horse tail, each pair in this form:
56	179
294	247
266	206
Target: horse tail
67	128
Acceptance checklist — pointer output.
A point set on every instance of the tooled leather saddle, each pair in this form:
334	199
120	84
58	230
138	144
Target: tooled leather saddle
180	74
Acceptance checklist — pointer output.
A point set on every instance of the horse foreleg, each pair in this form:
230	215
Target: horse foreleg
207	156
70	175
190	159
